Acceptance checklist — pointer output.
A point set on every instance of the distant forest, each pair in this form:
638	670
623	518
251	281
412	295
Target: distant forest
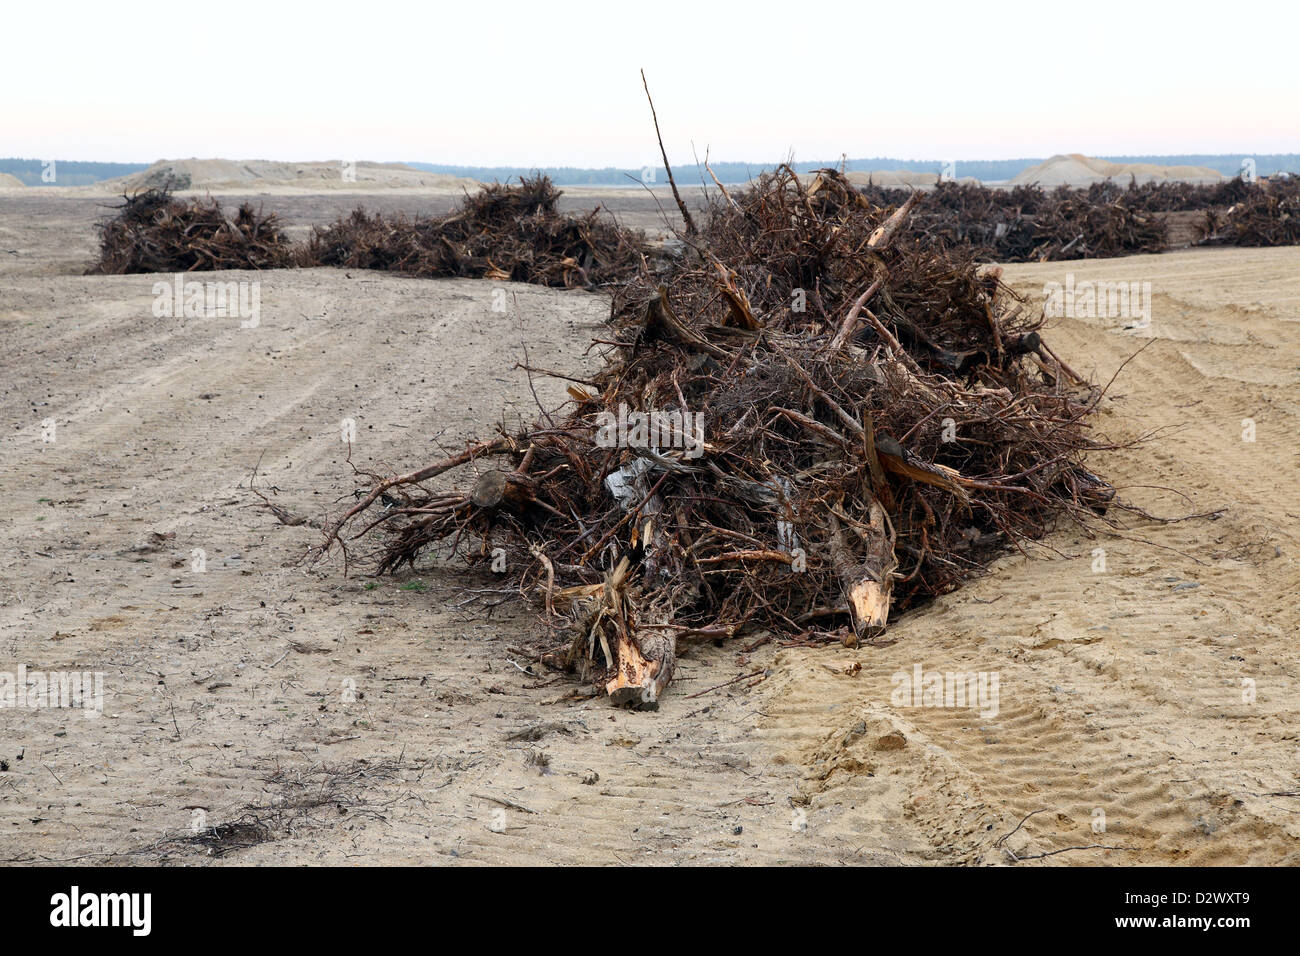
67	172
75	173
986	170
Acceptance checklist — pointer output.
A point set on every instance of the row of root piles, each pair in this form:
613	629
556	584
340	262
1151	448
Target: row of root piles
880	419
503	232
516	232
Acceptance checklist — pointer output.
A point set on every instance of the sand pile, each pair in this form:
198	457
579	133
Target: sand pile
264	175
894	178
1075	169
11	182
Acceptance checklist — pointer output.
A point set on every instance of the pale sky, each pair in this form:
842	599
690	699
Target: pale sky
550	84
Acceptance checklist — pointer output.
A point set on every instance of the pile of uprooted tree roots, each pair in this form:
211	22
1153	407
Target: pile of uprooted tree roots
1027	224
155	232
1265	216
816	417
502	232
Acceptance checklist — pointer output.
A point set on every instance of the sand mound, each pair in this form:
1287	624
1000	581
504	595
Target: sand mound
8	181
894	178
1076	169
263	175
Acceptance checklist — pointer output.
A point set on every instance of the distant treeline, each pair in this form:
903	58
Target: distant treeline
985	170
1266	164
67	172
76	173
687	174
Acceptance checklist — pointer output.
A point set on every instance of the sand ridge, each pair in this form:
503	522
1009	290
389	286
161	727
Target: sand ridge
223	176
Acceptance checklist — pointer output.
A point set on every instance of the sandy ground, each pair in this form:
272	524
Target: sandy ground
257	712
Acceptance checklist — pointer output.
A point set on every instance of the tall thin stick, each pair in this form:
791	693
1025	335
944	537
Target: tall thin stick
686	213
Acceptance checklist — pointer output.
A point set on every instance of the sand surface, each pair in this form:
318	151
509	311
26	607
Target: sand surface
313	719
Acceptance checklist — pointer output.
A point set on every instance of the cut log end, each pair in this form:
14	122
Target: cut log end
867	579
501	489
643	670
869	602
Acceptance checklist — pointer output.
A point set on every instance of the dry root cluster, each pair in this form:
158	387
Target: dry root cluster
849	419
1030	224
155	232
502	232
